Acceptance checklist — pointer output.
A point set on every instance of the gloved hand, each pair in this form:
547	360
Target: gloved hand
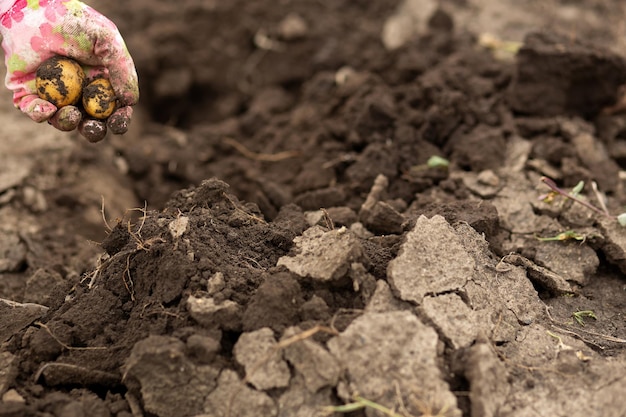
35	30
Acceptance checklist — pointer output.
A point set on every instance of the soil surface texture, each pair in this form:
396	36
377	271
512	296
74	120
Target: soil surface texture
329	208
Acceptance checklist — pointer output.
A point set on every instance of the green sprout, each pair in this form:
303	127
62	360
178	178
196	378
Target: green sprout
578	188
501	50
557	337
437	162
580	316
360	403
567	235
573	195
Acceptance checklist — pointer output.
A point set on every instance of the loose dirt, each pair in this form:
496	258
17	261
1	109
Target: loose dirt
272	236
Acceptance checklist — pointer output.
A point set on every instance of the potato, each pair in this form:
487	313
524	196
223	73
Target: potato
93	130
60	81
119	121
66	118
99	98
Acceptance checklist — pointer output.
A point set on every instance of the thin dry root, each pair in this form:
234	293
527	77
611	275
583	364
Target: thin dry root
128	280
63	344
264	157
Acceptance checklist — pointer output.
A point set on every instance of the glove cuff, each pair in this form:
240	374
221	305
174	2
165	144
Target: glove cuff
5	5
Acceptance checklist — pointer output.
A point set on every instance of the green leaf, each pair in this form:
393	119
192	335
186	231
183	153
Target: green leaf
579	316
437	162
568	234
578	188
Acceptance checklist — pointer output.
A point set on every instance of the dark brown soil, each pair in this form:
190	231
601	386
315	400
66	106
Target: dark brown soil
298	250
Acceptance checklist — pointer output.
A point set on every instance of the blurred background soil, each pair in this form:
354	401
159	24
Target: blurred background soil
255	115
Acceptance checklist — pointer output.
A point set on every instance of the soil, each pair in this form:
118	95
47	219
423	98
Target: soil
274	237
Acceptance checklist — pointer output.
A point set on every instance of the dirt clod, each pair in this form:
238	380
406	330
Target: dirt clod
262	360
570	76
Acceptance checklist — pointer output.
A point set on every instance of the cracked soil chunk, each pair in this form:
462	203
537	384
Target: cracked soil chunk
432	260
323	255
170	384
378	348
264	365
453	318
553	74
317	367
233	398
15	316
487	376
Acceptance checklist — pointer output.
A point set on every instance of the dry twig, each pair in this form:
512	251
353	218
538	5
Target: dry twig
264	157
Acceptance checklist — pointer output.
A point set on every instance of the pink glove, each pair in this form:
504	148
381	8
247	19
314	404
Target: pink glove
35	30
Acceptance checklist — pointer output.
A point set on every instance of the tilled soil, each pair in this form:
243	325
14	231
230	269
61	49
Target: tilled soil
301	250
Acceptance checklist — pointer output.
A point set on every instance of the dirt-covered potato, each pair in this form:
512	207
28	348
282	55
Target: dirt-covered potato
66	118
99	98
93	130
60	81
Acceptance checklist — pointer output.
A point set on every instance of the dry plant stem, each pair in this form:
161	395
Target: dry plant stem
599	197
135	406
104	217
577	333
342	311
367	403
359	403
141	244
330	225
396	386
64	345
144	211
265	157
128	280
287	342
165	313
237	208
552	185
47	365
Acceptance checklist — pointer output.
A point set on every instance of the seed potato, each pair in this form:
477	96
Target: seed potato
66	118
92	129
99	98
60	81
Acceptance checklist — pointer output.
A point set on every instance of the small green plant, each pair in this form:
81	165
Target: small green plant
574	196
359	403
580	316
437	162
567	235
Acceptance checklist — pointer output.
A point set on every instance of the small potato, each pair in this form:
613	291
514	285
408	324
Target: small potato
99	98
119	121
66	118
60	81
93	130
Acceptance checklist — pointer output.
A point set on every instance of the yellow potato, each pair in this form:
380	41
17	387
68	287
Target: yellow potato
60	81
99	98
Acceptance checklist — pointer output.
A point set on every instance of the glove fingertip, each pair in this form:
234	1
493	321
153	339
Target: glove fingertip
40	110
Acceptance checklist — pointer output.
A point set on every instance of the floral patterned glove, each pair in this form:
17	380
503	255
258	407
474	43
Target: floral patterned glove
35	30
